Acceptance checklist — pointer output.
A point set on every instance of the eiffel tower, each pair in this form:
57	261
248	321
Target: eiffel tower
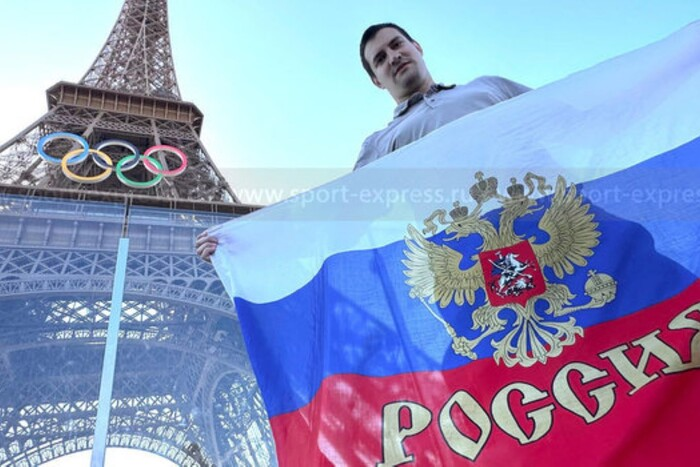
112	332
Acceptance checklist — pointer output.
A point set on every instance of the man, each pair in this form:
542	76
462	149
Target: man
394	61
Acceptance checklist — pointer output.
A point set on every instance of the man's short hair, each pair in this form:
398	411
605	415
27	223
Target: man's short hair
369	34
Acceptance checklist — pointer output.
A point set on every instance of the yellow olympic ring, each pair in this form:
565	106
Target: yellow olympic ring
79	178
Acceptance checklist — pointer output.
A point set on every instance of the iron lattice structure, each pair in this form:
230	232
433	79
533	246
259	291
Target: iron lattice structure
137	57
183	386
130	92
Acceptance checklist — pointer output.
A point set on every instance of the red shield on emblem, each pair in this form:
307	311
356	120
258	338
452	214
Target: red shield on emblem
512	274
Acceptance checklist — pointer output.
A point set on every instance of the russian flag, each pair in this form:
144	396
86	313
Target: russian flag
520	287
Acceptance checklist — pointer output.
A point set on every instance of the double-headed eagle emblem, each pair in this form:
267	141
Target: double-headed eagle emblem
509	268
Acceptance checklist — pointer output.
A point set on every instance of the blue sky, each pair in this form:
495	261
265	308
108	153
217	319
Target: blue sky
280	82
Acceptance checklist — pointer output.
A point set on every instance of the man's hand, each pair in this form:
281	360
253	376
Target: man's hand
205	246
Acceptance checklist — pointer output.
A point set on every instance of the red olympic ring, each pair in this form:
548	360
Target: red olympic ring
166	173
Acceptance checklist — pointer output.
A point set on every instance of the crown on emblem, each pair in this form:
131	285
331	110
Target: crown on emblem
459	212
516	190
483	189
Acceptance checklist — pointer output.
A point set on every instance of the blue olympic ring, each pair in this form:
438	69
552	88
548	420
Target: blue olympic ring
78	158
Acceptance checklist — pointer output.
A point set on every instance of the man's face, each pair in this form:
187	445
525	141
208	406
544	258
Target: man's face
397	64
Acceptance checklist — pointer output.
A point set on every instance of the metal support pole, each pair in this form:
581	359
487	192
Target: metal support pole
110	358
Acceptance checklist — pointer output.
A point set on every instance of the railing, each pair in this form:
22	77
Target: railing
142	288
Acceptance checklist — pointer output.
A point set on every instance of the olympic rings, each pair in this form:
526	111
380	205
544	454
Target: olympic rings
108	164
124	144
78	139
133	183
104	161
159	170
